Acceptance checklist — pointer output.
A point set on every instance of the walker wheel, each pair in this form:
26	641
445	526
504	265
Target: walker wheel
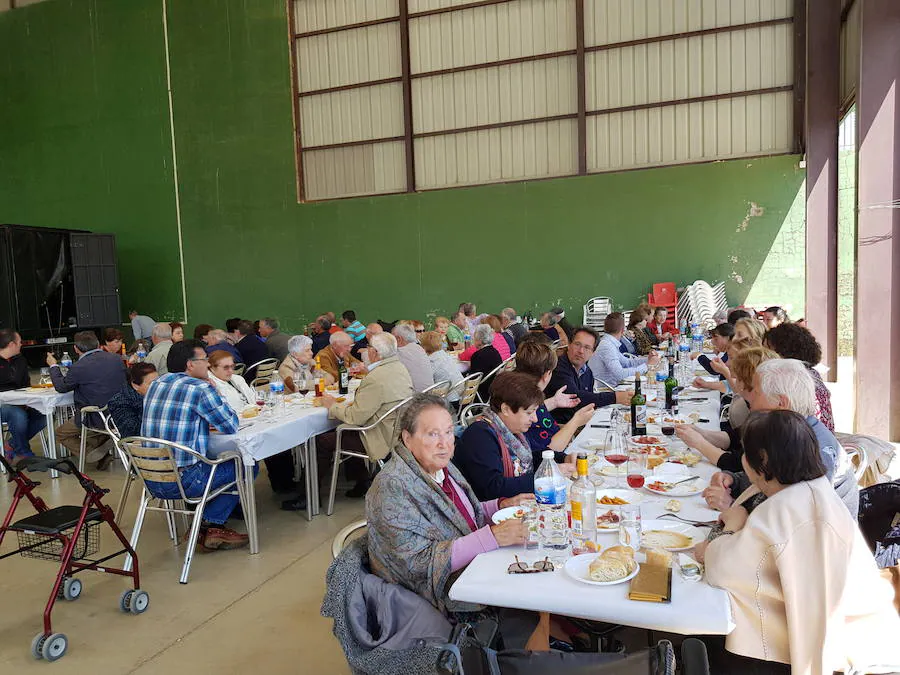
140	601
125	600
54	647
36	645
71	589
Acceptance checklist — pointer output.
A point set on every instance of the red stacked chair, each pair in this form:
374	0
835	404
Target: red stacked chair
665	295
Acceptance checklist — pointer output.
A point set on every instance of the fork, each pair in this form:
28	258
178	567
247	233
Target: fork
669	486
697	523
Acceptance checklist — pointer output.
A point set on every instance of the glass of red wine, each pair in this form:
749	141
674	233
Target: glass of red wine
668	427
616	453
637	465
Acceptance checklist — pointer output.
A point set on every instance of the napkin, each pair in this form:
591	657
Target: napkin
652	584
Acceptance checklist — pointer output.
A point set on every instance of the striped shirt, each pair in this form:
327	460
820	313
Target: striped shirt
181	409
356	330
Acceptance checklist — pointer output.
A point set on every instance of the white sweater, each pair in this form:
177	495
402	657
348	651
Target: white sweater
237	393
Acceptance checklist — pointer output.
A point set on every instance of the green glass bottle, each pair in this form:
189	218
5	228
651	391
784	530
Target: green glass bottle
343	378
671	384
638	409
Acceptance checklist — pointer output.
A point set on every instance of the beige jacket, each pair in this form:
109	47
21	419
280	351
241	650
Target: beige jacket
804	587
383	388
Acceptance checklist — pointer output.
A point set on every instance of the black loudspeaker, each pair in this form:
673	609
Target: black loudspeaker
95	278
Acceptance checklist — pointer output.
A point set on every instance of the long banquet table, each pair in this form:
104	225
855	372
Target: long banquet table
695	608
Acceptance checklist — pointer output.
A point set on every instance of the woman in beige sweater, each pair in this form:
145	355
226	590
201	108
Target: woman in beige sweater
804	588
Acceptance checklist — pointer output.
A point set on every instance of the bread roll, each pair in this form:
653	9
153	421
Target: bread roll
608	569
660	557
623	553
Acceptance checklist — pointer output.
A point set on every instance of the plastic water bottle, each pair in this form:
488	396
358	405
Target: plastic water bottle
141	351
467	340
684	363
550	492
276	393
661	376
682	337
696	338
65	362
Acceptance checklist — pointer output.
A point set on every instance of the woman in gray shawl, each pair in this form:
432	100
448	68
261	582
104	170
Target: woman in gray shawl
425	523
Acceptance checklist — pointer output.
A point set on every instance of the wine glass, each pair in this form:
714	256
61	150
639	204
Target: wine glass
616	454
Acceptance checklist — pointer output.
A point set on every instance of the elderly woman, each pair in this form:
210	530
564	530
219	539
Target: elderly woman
723	448
112	341
445	366
233	388
538	361
485	358
550	326
177	331
636	335
299	355
494	454
793	341
127	407
425	522
806	595
503	344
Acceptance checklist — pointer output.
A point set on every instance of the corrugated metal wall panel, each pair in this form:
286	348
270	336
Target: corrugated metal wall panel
430	5
850	53
352	115
349	57
310	15
491	95
686	68
676	134
491	33
612	21
511	153
378	168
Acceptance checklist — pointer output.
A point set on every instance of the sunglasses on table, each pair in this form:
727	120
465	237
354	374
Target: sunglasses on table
520	567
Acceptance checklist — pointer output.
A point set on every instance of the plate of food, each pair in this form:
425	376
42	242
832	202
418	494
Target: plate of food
615	565
509	513
686	456
608	503
596	443
670	536
671	487
647	440
607	469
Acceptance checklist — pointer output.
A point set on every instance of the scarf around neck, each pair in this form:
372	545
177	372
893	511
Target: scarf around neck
513	447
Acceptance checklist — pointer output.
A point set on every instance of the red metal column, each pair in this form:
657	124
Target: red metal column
878	223
823	100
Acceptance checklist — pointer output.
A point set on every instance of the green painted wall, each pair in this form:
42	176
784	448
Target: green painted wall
250	249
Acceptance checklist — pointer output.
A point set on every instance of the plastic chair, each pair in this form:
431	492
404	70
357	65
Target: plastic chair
664	294
341	538
262	372
341	454
153	459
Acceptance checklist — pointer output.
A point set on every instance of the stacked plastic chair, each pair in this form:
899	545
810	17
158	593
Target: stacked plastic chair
595	311
665	295
700	301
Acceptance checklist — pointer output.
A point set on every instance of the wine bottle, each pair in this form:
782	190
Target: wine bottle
638	409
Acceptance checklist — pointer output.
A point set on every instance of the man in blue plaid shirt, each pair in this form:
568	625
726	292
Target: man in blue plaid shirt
180	407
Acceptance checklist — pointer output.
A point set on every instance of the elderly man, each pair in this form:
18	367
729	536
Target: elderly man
217	341
784	384
457	330
320	333
94	378
141	325
251	348
360	350
573	373
413	357
162	343
609	365
386	385
24	423
563	322
180	407
512	326
276	341
336	354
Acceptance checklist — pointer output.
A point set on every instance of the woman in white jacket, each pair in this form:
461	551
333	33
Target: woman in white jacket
233	388
805	592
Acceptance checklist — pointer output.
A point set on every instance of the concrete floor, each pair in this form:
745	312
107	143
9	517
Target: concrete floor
238	612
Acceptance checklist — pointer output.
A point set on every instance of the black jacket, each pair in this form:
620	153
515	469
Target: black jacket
564	375
94	379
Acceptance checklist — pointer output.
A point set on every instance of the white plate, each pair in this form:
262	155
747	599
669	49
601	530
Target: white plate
631	496
695	533
683	490
507	514
594	443
610	470
577	568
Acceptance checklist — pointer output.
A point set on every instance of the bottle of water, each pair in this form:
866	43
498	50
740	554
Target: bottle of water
684	363
141	351
276	393
682	337
550	492
696	338
65	362
467	340
661	376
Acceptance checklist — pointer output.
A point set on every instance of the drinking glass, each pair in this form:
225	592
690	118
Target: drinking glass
616	453
630	526
532	526
637	465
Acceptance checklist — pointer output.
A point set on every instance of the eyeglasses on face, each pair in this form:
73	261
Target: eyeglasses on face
582	345
198	358
520	567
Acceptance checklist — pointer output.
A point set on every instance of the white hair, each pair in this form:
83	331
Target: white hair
408	333
790	379
483	334
340	336
163	331
509	313
385	344
216	335
298	343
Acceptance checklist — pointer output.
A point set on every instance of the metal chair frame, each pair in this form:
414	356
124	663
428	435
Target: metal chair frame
504	366
340	539
467	389
341	455
239	368
103	412
263	372
470	412
441	389
155	456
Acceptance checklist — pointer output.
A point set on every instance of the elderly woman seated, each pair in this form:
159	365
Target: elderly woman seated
485	357
636	334
299	356
445	366
494	454
806	595
550	325
425	522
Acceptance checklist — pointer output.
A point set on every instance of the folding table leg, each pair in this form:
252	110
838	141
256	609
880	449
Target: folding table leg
250	518
312	470
51	439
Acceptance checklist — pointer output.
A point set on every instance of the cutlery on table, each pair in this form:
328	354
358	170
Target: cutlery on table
696	523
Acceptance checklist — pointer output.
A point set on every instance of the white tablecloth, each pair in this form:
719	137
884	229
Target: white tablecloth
44	401
696	607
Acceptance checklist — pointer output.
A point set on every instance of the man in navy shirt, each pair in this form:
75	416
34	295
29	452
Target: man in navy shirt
573	373
23	422
252	349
